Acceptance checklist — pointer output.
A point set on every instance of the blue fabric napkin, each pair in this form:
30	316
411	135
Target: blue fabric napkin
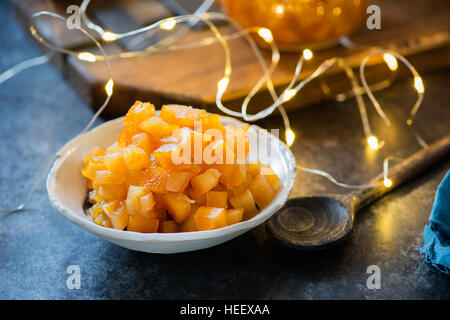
436	236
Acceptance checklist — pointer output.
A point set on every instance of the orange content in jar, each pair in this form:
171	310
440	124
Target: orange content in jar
299	23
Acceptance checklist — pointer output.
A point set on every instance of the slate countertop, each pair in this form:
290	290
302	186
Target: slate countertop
40	112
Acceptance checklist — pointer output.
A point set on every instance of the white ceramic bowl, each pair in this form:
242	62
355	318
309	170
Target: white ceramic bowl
67	191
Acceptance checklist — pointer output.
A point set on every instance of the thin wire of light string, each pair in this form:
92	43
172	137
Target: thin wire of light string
38	61
376	104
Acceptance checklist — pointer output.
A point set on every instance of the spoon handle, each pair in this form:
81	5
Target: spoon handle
405	170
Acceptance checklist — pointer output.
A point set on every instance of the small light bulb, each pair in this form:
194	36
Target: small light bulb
222	84
290	137
387	182
391	61
418	84
169	24
109	87
266	34
337	11
373	142
276	57
109	36
307	54
87	56
288	94
278	9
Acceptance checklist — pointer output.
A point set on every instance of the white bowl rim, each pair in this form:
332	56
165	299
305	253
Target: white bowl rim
111	233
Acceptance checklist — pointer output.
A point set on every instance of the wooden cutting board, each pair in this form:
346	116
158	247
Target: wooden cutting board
418	29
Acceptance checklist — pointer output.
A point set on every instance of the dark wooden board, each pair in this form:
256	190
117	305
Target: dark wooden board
417	29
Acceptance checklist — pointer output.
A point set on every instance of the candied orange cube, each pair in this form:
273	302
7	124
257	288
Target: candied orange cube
178	204
245	200
166	140
142	224
216	199
204	182
135	158
91	167
133	177
143	141
107	177
169	226
157	127
188	225
209	218
177	181
199	198
103	220
243	186
146	204
232	175
261	191
154	179
114	162
119	218
270	176
96	152
110	207
112	192
138	113
132	201
234	215
95	210
183	116
254	168
123	139
94	197
212	121
159	213
236	139
218	152
164	156
113	148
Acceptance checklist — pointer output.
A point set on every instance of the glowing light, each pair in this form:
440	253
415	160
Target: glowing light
109	87
278	9
222	84
290	137
418	84
337	11
109	36
169	24
373	142
391	61
266	34
387	182
288	94
320	10
87	56
308	54
276	57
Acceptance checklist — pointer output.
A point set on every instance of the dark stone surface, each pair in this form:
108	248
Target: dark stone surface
40	112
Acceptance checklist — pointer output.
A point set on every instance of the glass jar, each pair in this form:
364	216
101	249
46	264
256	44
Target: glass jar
297	24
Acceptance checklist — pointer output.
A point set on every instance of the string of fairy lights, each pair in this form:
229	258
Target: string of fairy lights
201	15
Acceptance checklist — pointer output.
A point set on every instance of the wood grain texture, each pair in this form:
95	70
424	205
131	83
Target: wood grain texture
416	29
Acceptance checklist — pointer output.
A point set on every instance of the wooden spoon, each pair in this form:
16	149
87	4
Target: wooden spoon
318	222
